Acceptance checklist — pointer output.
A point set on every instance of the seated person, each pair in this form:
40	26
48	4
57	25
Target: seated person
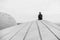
40	16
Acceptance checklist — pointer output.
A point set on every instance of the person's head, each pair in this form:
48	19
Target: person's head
39	12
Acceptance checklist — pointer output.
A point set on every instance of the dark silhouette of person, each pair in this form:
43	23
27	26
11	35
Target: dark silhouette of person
40	16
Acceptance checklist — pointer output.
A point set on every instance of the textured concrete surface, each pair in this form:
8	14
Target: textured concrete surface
35	30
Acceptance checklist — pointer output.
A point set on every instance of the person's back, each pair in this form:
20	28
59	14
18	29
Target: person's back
40	16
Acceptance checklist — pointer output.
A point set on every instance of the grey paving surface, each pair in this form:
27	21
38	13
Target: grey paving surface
35	30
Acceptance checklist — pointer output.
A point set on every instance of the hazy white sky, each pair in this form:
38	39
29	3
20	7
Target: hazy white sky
27	10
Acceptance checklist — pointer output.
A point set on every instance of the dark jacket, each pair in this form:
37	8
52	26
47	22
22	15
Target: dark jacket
40	16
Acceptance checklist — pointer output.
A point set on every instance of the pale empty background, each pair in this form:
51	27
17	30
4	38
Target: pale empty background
27	10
